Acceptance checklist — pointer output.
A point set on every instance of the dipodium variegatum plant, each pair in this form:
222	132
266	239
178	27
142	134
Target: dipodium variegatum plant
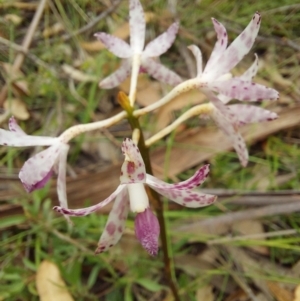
214	80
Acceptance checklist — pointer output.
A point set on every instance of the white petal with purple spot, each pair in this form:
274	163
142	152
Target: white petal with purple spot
115	224
162	43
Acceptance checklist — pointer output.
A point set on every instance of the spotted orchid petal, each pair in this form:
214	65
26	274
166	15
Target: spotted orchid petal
198	56
251	114
137	26
115	224
147	230
14	127
18	138
117	77
61	178
133	169
37	170
162	43
196	180
115	45
231	131
243	90
91	209
187	198
160	72
250	72
220	106
220	45
237	49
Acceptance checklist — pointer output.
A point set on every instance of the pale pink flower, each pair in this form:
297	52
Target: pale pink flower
131	194
37	170
215	78
137	40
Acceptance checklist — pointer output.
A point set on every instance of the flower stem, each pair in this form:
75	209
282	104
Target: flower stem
155	200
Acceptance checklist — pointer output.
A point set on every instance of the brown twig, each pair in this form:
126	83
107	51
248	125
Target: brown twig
232	217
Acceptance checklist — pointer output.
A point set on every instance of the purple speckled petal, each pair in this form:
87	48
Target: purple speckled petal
160	72
220	45
251	114
251	72
61	177
115	224
243	90
162	43
222	108
196	180
14	127
187	198
37	170
115	45
19	139
133	169
137	26
147	230
118	76
231	131
198	56
237	49
91	209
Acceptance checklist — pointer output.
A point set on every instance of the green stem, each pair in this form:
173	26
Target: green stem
158	206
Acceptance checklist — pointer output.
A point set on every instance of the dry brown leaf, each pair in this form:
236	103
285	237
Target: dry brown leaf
17	77
279	293
50	285
205	293
17	108
249	227
121	32
78	75
297	293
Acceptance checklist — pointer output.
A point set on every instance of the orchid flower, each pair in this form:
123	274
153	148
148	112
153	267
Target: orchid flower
216	78
37	170
131	194
135	52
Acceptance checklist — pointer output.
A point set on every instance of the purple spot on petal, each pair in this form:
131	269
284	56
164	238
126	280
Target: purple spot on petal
111	228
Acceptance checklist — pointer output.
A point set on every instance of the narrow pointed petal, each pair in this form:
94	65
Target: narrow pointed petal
187	198
196	180
251	114
160	72
220	45
115	224
18	139
137	26
237	140
162	43
91	209
61	177
133	169
37	170
238	48
117	77
222	108
198	56
251	72
147	230
115	45
14	127
243	90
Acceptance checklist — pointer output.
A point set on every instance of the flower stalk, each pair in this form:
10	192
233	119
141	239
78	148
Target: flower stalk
155	200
